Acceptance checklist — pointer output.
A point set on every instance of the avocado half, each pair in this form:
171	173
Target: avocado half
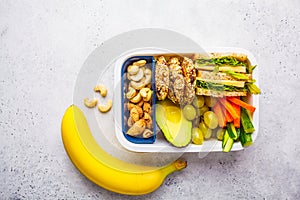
176	129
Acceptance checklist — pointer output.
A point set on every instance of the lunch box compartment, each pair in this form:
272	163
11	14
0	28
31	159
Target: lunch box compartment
150	64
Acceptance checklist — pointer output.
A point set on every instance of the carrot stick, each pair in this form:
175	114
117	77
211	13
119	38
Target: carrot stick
241	103
229	107
221	118
228	116
237	121
223	109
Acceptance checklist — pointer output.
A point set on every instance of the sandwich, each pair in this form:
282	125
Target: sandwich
221	75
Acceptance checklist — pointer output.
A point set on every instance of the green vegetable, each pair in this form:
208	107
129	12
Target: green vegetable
232	131
225	138
216	69
251	68
246	121
226	60
218	87
238	132
227	142
245	138
237	75
252	88
228	145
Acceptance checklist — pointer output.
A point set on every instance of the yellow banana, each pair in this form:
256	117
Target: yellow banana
103	169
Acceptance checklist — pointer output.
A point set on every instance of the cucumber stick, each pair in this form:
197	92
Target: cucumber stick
246	122
225	138
245	138
232	131
227	142
228	145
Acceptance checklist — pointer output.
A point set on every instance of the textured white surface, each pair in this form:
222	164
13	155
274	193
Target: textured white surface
44	43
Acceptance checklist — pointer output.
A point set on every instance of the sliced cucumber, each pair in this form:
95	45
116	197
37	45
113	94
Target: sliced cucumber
225	138
245	138
228	145
238	132
246	122
232	131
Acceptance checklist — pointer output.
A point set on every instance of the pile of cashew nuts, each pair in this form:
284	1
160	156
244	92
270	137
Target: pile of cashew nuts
91	103
139	96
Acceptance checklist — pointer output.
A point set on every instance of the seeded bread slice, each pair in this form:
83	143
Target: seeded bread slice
214	93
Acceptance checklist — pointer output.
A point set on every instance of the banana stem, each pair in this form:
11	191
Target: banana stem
174	166
180	164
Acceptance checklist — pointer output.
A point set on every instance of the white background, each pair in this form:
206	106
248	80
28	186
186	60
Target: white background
44	43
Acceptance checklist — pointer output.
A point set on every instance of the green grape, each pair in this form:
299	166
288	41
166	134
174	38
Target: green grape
220	133
210	119
198	101
189	112
203	110
197	136
210	101
205	130
208	134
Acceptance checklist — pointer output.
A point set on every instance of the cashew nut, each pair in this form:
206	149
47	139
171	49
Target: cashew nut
105	108
146	107
130	122
138	85
137	107
148	121
148	97
143	68
140	111
131	93
143	82
147	133
137	98
147	116
133	69
138	76
102	89
90	103
144	92
140	63
140	104
134	114
130	106
137	128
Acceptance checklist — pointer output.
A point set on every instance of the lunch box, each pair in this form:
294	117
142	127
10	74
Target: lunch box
157	143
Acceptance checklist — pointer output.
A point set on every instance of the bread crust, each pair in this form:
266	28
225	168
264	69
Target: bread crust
238	56
215	93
